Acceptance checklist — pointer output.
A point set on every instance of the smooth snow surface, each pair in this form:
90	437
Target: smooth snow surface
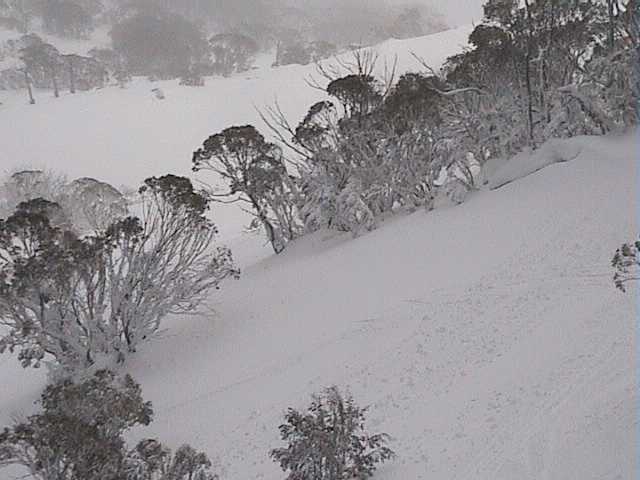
487	338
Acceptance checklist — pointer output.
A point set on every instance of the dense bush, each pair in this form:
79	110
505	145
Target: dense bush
86	300
329	441
78	435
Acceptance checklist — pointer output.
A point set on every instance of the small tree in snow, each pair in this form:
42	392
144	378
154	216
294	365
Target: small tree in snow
256	174
328	441
626	262
82	300
78	435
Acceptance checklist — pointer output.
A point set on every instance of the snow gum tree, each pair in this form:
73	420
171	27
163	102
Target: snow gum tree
256	175
86	301
329	441
78	435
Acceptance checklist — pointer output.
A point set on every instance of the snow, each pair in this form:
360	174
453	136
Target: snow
556	150
487	338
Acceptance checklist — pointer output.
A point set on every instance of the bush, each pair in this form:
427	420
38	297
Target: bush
328	441
93	299
79	436
626	262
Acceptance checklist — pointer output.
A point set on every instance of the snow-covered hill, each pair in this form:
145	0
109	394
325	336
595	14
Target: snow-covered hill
123	136
488	338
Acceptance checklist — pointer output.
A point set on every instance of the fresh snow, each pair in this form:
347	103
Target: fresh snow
487	338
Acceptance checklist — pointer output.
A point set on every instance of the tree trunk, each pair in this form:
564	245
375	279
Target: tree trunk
528	76
27	81
72	78
611	32
54	79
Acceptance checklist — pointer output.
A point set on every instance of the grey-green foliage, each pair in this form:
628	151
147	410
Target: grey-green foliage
329	441
626	263
78	435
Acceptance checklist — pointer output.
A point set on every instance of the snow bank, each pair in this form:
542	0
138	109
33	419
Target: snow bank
556	150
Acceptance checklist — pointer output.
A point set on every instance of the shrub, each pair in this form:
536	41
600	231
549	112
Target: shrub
626	262
328	441
93	299
78	435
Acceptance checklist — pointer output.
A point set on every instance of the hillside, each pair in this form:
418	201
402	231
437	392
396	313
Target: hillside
123	136
487	338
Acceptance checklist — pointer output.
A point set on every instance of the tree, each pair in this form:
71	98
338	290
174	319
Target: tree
114	62
329	442
24	185
93	205
358	94
42	59
232	52
78	435
84	300
256	175
626	262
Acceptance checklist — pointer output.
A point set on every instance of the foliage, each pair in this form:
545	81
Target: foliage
89	300
79	436
256	175
232	52
626	263
329	442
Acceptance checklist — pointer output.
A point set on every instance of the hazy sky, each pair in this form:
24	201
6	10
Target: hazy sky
456	12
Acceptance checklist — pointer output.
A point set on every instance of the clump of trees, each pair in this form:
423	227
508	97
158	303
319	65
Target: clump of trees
298	51
158	44
329	441
232	52
79	435
85	300
380	145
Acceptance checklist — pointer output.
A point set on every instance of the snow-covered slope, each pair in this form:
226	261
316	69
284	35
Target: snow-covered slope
487	338
124	136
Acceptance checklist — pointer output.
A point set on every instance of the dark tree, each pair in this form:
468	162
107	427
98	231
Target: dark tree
232	52
256	174
329	441
42	60
358	94
79	436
